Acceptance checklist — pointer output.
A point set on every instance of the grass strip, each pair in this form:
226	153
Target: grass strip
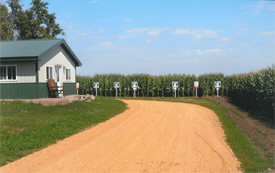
235	111
27	127
246	153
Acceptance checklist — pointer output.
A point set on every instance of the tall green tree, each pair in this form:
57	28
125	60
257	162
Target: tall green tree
37	23
15	7
33	23
5	30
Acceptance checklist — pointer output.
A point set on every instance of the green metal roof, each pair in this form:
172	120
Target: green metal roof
32	49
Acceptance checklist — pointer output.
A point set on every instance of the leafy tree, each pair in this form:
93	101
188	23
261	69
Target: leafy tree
42	23
33	23
5	30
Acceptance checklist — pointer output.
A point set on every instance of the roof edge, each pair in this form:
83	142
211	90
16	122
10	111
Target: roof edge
75	59
22	58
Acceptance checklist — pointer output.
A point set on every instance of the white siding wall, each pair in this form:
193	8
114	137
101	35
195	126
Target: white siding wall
54	57
25	72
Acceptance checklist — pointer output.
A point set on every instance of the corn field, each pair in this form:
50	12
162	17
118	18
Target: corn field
254	90
150	86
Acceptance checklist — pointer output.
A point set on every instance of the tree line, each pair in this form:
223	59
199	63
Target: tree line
36	22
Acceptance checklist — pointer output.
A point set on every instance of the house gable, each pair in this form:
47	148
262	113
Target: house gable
57	56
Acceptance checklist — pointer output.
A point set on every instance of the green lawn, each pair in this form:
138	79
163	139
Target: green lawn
27	127
251	161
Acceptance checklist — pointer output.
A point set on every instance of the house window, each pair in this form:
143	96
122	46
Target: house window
68	74
49	72
8	73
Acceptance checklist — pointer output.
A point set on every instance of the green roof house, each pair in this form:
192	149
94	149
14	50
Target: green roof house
25	67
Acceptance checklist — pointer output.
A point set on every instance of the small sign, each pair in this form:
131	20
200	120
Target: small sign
175	84
196	84
116	84
77	86
217	84
134	85
96	84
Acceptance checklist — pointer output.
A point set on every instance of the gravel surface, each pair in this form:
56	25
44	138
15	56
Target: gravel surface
150	136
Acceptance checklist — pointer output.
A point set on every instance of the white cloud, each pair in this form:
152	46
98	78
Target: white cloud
197	53
181	31
263	6
68	25
265	33
128	20
197	33
83	33
107	44
71	27
99	37
243	31
260	8
213	51
104	45
102	29
137	30
150	31
127	36
225	38
157	31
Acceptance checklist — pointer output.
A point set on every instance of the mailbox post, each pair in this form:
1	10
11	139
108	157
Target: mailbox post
217	85
196	86
134	86
116	86
77	87
175	85
96	85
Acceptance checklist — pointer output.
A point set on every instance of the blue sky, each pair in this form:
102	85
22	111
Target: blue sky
168	37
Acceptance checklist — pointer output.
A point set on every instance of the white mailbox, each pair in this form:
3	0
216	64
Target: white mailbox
116	84
134	84
175	84
217	84
96	84
196	84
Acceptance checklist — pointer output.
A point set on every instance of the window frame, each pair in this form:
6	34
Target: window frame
70	74
7	75
46	73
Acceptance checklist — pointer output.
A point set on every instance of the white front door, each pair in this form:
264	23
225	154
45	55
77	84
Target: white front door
59	76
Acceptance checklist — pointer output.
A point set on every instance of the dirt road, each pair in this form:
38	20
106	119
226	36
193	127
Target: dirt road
148	137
